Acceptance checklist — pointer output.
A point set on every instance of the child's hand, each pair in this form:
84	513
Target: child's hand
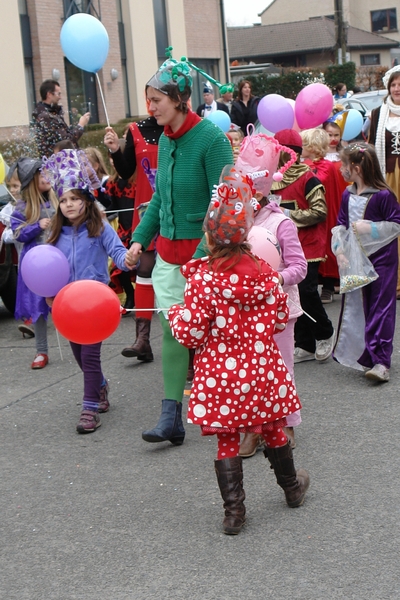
49	301
133	254
236	152
44	223
361	227
111	139
342	261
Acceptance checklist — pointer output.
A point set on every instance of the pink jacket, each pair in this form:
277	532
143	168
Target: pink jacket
293	267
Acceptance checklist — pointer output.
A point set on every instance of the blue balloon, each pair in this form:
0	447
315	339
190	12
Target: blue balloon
220	118
84	41
353	125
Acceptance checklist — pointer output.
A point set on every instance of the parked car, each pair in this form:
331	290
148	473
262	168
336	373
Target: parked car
365	102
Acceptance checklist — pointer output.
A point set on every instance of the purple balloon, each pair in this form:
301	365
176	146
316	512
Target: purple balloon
45	270
275	113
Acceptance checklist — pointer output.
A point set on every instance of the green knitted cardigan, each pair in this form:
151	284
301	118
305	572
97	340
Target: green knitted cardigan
188	168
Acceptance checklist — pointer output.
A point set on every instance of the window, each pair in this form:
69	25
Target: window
92	7
384	20
161	26
370	59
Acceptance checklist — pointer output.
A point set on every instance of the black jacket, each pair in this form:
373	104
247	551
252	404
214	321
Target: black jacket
49	128
220	106
242	115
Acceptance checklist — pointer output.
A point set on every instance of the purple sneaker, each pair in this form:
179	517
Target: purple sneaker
89	421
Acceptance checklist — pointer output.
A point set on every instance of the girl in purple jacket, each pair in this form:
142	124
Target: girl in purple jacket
30	223
87	241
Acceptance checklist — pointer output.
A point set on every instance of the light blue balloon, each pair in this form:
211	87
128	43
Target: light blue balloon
220	118
84	41
353	125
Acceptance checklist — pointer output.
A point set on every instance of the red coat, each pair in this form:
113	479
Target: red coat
334	185
230	317
299	196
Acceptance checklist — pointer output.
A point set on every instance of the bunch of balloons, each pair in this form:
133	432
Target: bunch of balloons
84	312
312	107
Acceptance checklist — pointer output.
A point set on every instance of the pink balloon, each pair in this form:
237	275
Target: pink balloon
295	124
275	113
265	245
313	105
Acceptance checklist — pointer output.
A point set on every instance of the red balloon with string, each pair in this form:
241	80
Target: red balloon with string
86	312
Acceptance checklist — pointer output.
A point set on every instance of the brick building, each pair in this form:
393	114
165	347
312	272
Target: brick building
139	31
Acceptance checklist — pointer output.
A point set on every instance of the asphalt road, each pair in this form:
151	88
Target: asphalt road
108	516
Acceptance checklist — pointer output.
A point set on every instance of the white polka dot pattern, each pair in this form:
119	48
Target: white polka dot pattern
230	317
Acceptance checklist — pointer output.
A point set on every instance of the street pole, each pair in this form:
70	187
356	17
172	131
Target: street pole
225	52
340	30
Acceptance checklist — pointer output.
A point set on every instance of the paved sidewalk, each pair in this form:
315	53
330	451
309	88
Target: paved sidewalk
107	516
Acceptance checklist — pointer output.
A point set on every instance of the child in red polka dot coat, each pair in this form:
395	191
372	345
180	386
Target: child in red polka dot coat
233	306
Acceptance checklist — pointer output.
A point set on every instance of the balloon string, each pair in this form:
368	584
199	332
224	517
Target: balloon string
59	345
304	312
166	309
102	98
148	309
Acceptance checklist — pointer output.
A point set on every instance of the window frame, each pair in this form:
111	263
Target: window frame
387	28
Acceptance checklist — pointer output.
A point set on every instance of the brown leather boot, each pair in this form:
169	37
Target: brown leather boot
294	483
249	445
230	480
141	348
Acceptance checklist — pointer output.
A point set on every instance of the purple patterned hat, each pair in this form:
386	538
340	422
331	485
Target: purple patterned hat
70	170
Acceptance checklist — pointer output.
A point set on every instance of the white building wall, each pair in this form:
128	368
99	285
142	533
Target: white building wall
13	98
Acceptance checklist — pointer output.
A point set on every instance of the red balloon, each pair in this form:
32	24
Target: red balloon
86	312
265	245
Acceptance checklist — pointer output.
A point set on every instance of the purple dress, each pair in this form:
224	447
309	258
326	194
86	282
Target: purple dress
29	305
368	315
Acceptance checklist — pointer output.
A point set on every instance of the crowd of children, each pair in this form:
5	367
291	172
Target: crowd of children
245	323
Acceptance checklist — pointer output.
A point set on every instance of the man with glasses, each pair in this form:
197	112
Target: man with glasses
48	120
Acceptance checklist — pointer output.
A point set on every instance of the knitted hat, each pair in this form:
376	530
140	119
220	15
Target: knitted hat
230	214
70	170
389	73
26	169
290	138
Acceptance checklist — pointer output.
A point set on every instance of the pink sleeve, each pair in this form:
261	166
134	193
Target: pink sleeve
293	257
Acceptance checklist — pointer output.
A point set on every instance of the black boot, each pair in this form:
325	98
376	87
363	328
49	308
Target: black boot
230	480
294	483
126	284
190	372
141	348
169	427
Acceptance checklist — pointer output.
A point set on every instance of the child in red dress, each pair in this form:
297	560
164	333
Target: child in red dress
233	306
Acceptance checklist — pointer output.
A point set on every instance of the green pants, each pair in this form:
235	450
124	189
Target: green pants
175	362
